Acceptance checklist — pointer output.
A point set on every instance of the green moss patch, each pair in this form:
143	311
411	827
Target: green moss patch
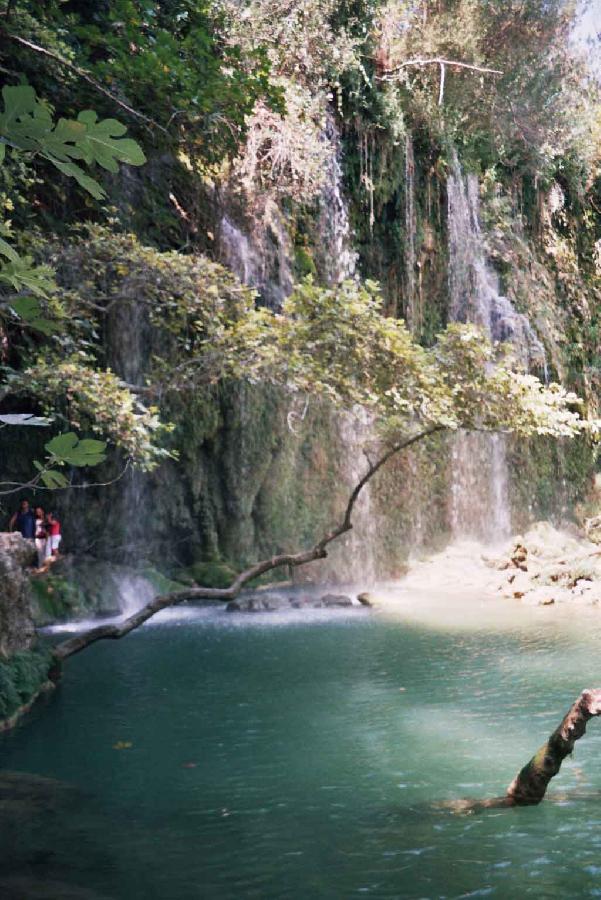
54	598
21	677
212	573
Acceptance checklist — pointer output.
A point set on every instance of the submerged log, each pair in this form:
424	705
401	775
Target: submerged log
530	784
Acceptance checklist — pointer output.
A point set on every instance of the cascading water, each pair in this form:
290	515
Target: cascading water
411	311
263	260
128	326
339	259
357	564
260	256
355	430
238	254
480	480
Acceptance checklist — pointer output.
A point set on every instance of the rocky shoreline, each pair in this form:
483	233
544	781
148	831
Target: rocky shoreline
546	566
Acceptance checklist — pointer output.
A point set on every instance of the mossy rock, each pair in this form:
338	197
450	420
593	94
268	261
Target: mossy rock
161	582
21	677
54	598
304	262
211	573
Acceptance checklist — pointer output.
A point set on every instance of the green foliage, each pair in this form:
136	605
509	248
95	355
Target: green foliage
541	102
167	58
98	402
54	598
68	448
213	573
312	42
26	125
188	300
338	344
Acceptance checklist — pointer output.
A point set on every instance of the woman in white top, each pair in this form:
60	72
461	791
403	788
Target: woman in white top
40	536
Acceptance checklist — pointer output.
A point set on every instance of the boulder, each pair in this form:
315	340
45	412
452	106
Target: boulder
258	602
333	601
305	601
592	529
365	598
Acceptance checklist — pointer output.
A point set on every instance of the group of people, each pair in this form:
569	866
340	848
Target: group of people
42	527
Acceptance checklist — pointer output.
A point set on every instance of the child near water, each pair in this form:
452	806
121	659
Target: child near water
53	539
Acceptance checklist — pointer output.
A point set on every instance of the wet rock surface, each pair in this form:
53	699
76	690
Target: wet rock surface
42	821
16	624
81	587
546	566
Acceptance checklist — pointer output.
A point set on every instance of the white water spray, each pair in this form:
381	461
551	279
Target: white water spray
480	478
412	313
339	259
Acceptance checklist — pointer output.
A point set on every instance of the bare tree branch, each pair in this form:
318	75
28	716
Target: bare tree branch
435	61
81	73
317	551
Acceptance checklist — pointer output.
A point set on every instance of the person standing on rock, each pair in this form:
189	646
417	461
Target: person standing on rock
41	535
24	521
53	531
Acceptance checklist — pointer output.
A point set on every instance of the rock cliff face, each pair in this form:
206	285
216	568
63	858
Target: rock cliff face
24	663
17	630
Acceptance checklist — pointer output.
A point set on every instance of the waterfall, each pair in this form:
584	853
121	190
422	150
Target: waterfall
411	311
480	478
358	565
260	253
128	341
474	289
237	253
355	430
261	258
339	259
134	592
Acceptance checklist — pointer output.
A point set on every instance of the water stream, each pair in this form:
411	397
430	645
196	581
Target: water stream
412	313
212	755
480	478
339	260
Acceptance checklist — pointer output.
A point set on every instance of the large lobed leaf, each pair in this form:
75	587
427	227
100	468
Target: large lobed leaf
73	451
27	125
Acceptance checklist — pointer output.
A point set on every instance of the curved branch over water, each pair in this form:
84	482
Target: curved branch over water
317	551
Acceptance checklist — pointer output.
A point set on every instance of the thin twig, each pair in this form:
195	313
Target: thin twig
34	483
81	73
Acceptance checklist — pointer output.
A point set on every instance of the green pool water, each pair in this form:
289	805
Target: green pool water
306	755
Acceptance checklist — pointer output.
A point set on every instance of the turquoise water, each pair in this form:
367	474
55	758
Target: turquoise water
305	756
